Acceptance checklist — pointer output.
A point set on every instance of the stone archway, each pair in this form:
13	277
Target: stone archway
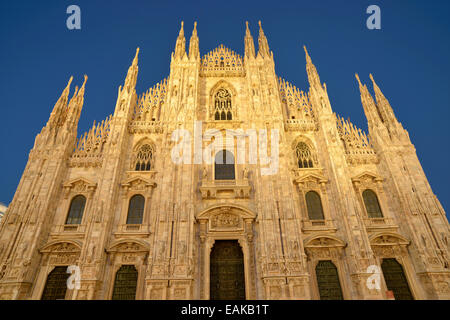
227	223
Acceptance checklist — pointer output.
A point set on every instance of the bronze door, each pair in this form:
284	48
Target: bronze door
227	280
56	285
328	281
125	283
396	280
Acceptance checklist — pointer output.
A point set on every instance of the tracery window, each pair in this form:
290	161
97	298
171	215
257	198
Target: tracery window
144	158
76	210
222	105
224	165
136	209
304	156
314	206
372	205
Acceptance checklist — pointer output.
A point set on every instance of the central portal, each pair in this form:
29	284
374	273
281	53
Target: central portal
227	271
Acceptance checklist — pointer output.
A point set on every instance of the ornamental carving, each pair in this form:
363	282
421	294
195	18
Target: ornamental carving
79	185
225	220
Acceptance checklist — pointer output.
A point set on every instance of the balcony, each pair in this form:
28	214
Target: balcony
139	230
378	224
72	230
318	225
225	189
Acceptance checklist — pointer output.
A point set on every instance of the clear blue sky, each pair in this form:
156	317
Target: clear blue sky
409	58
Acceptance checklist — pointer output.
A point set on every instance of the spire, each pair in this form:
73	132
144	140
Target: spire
76	105
263	45
384	107
369	106
130	80
249	44
60	106
313	75
194	51
180	46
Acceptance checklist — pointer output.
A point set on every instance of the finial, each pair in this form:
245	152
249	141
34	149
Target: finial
70	81
181	29
85	79
135	60
308	58
259	22
357	78
373	81
246	25
195	24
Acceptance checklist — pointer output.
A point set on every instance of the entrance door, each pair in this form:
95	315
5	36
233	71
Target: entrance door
395	279
227	280
328	281
56	285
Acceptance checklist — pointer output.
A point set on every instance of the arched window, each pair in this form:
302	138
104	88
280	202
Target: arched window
56	284
314	206
76	210
136	209
395	279
222	105
125	283
224	165
372	205
144	158
328	281
304	156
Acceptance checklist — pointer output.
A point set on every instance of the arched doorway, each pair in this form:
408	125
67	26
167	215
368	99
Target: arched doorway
56	285
125	283
227	279
328	281
395	279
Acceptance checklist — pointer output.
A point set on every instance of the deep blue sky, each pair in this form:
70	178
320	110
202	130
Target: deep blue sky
409	58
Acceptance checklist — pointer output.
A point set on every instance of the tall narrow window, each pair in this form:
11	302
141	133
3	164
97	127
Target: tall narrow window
372	205
76	209
56	284
224	165
328	281
396	279
314	206
304	156
125	283
136	209
144	158
222	105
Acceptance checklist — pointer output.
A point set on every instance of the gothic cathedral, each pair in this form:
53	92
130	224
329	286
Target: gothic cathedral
305	205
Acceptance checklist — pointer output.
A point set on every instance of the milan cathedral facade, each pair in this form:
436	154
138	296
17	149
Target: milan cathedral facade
329	213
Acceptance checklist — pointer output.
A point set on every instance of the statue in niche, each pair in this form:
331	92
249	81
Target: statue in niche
245	173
